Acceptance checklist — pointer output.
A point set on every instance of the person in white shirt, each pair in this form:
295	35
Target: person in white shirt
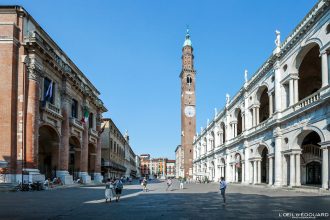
223	186
181	183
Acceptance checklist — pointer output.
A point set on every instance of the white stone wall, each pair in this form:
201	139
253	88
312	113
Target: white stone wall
280	135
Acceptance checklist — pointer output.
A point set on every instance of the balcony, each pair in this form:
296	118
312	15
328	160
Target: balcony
93	132
307	101
52	109
77	123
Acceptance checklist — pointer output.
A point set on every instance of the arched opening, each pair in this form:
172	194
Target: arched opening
205	145
91	160
223	173
310	74
212	140
48	153
223	128
74	157
238	168
311	159
264	169
212	170
263	99
239	121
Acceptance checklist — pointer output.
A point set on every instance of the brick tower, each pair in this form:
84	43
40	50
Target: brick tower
188	105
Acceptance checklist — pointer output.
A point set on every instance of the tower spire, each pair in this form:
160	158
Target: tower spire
187	41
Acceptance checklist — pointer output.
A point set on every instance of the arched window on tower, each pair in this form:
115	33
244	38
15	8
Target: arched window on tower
189	80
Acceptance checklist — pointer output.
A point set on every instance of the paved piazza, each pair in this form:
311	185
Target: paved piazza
196	201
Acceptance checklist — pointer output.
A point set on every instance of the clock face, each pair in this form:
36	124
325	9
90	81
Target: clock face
189	111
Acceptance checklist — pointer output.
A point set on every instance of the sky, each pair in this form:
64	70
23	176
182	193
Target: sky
131	51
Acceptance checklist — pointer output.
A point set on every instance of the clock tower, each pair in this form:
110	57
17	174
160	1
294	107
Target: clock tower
188	106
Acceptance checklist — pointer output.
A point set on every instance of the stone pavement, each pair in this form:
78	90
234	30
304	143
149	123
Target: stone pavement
196	201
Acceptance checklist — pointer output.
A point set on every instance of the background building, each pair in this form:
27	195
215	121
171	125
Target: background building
50	112
179	162
118	158
275	130
156	167
170	168
145	164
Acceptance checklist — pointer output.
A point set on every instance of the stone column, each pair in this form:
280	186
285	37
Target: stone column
234	129
270	171
277	83
32	124
278	156
255	172
291	92
253	116
251	172
247	163
97	174
257	116
270	104
243	173
234	173
84	156
259	171
65	135
325	167
228	169
298	178
221	137
296	92
325	76
292	170
243	122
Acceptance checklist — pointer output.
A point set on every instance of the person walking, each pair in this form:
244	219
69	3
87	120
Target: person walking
169	183
118	188
181	183
108	190
144	184
223	186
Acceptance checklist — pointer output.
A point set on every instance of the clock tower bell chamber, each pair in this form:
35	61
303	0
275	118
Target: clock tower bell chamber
188	105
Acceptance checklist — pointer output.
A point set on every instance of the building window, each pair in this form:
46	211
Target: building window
91	120
189	80
74	108
49	90
285	67
328	29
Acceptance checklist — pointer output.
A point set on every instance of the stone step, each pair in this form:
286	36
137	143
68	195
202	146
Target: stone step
6	187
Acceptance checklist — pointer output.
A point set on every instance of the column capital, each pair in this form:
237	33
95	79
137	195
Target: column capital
324	52
293	76
277	133
34	74
271	155
325	145
277	65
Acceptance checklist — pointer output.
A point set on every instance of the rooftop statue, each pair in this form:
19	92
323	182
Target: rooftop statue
278	38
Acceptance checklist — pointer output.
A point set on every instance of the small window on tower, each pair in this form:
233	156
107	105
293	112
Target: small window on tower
189	80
